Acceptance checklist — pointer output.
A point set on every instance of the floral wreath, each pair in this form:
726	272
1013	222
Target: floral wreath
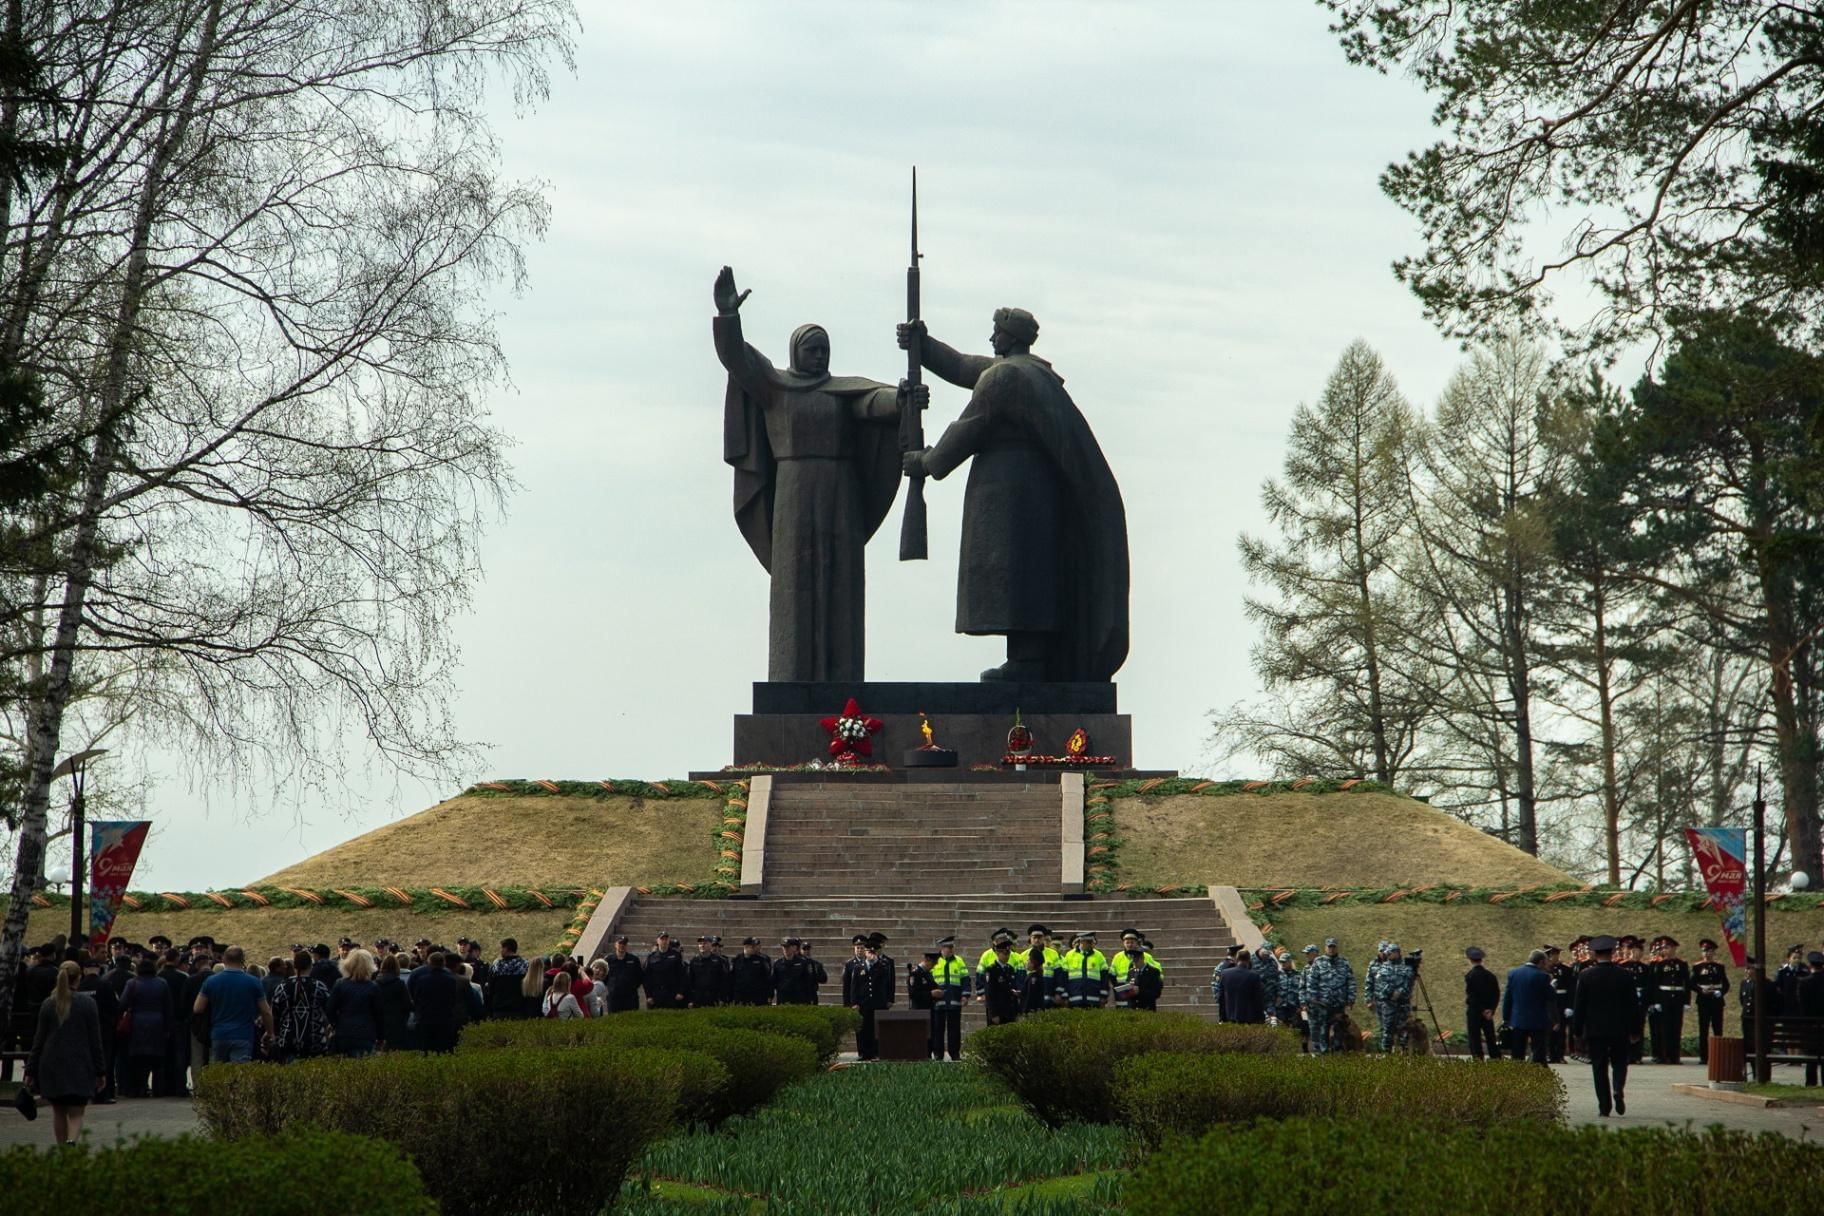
851	733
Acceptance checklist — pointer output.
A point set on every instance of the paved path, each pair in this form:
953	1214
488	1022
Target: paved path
1653	1102
104	1124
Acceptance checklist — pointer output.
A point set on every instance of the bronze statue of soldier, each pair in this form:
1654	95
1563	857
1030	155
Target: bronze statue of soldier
1044	556
817	465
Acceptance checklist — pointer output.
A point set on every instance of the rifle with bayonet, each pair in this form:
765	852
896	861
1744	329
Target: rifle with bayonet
912	546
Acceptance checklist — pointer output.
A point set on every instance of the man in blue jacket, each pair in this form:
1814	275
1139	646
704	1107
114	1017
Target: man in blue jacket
1526	1007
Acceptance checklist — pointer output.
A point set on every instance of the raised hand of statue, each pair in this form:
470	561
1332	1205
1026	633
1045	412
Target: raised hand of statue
726	300
906	332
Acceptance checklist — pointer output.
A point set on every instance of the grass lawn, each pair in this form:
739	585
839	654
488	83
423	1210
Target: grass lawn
913	1138
1312	840
1775	1089
496	840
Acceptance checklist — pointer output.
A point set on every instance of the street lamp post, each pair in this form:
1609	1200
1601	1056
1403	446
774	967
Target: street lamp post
1759	978
72	768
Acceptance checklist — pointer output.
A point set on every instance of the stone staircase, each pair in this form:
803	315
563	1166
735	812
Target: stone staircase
922	860
1188	935
848	838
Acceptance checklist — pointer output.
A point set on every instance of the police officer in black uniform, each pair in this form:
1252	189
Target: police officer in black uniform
794	976
664	974
875	985
1668	984
625	977
750	975
1000	985
706	976
852	969
1709	991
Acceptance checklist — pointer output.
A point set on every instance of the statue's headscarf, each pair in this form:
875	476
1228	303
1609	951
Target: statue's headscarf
800	336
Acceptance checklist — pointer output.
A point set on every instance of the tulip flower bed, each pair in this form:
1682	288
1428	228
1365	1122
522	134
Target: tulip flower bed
915	1138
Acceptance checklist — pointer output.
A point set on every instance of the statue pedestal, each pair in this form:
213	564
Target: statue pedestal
971	719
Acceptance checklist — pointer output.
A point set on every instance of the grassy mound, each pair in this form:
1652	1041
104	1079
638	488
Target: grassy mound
507	840
1509	934
1352	839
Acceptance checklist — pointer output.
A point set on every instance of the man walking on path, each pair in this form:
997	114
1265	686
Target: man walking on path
1527	1008
1605	1015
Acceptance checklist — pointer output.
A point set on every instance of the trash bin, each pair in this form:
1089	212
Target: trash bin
1728	1060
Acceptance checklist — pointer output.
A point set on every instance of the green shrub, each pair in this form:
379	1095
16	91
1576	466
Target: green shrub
1395	1167
1166	1094
193	1176
1063	1062
824	1025
758	1064
530	1130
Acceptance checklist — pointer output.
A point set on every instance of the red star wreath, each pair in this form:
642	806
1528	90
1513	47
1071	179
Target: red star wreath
851	733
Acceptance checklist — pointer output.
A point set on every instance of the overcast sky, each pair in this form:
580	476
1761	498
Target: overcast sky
1183	194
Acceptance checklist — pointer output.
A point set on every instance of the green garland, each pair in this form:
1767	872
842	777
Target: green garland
344	899
1271	899
1101	847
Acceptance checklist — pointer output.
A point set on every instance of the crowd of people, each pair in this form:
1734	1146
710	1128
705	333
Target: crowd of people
138	1020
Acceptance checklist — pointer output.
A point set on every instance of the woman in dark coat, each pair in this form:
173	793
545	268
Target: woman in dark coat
148	999
354	1007
395	1006
66	1065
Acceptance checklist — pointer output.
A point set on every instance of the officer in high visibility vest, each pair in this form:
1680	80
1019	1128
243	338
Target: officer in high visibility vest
1086	975
950	988
1130	966
1038	937
988	954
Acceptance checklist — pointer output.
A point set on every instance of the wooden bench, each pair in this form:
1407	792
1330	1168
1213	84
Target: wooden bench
1792	1039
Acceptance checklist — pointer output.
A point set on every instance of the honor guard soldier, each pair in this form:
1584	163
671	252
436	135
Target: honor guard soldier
664	974
794	975
1786	979
1668	984
875	983
1709	990
1564	986
1627	957
625	979
1086	975
1129	969
751	975
1329	993
950	976
1001	985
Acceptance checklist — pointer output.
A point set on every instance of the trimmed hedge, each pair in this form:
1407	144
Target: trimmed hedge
255	1176
1063	1062
824	1025
529	1131
1393	1167
757	1064
1168	1094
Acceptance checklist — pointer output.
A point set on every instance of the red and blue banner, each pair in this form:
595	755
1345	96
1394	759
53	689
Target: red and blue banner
114	849
1722	857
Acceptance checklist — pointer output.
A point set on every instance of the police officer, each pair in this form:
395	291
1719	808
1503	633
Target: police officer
1043	970
706	976
1786	979
1709	990
920	987
1087	979
1329	994
1481	997
1129	968
750	975
1668	983
625	977
1017	957
1392	996
1227	964
950	977
875	985
794	978
664	974
852	969
1001	985
1564	985
1286	998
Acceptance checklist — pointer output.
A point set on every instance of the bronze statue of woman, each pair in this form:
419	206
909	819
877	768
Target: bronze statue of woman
817	466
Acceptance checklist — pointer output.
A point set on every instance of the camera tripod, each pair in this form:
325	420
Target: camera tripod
1437	1034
